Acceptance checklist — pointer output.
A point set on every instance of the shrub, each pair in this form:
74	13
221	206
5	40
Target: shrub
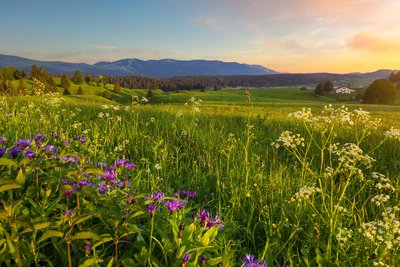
380	92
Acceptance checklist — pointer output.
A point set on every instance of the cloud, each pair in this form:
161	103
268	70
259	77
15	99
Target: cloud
373	43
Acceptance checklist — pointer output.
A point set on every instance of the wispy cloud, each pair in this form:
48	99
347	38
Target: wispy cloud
373	43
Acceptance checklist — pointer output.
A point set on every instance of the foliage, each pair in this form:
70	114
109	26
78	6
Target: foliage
66	91
117	88
106	94
319	90
77	78
80	91
65	82
380	92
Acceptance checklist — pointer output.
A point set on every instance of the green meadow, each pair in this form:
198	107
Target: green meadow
316	188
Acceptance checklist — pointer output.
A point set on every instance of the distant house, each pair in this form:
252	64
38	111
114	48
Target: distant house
344	90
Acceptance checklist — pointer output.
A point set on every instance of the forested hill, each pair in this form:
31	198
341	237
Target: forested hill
203	82
162	68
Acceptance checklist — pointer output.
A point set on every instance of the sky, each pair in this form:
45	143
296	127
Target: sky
296	36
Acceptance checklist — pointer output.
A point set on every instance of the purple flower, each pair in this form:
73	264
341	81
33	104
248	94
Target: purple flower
3	140
39	137
121	162
29	154
69	192
102	188
14	151
2	151
190	194
50	148
206	221
157	195
23	143
68	213
82	139
151	209
87	248
186	258
251	261
130	166
102	164
70	159
67	143
174	205
110	175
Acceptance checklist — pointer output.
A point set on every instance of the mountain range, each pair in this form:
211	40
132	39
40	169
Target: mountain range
163	68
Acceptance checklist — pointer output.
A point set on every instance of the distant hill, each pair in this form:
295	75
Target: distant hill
163	68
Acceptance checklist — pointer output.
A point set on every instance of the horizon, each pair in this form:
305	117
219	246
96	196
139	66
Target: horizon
299	36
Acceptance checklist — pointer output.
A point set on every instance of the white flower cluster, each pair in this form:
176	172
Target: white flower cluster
382	182
288	140
305	192
380	199
393	134
195	103
350	154
343	235
385	232
330	115
136	100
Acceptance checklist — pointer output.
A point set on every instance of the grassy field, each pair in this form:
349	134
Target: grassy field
325	197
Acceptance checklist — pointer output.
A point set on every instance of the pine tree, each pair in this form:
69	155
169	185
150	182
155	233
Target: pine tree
319	90
64	82
78	78
88	77
106	94
328	86
80	91
117	88
21	87
66	92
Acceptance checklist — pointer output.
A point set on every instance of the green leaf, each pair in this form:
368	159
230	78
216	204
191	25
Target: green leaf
20	178
8	162
90	262
94	171
209	236
85	235
188	232
50	234
103	239
111	262
214	261
6	187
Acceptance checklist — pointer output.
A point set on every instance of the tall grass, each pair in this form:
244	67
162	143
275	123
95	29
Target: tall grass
277	203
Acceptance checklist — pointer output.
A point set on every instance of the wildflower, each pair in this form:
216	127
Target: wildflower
190	194
69	192
87	249
205	220
102	188
68	213
82	139
185	259
23	143
158	166
203	261
3	140
2	151
393	134
29	154
110	174
151	209
130	166
157	195
14	151
175	205
251	261
67	143
121	162
305	192
50	148
39	137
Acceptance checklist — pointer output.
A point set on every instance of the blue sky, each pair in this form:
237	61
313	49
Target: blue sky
290	35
